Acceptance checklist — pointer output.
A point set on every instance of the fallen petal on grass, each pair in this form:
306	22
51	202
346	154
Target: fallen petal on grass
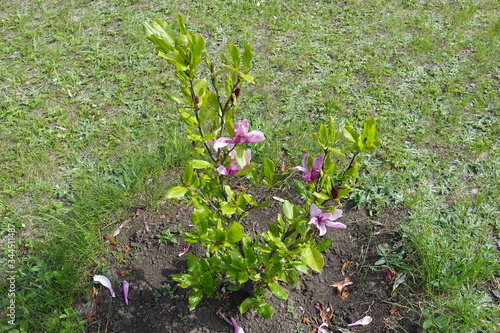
400	278
362	322
105	282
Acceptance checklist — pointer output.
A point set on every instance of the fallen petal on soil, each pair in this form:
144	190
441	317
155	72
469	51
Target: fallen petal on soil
363	321
105	282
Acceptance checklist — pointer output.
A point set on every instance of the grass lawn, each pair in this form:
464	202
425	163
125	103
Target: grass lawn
88	133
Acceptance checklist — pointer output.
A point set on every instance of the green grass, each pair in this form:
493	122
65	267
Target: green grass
87	132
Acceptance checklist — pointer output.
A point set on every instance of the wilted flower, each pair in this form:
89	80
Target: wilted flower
125	291
241	136
237	328
341	287
335	192
322	220
389	274
105	282
311	174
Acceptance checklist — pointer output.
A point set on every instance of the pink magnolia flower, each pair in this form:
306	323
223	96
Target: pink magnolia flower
233	166
241	136
310	174
322	220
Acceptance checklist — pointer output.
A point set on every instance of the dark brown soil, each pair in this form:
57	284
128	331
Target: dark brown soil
157	305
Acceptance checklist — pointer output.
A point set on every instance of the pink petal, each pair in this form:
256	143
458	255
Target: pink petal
321	328
338	213
335	225
301	169
314	210
125	290
222	142
237	328
241	127
318	162
253	137
105	282
322	229
222	170
305	157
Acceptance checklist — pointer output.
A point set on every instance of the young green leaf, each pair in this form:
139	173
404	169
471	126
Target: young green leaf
247	57
234	51
288	209
277	290
313	258
235	232
195	299
176	192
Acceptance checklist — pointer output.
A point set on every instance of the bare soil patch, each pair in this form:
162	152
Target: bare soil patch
157	305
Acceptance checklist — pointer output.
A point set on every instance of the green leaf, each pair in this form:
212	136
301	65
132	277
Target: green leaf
174	98
323	135
369	135
427	324
193	265
199	220
207	281
352	173
200	87
301	268
250	256
352	135
247	57
245	171
200	164
278	290
176	192
247	78
188	118
313	258
182	26
247	304
197	45
227	208
301	189
195	299
268	168
288	210
324	244
234	51
235	232
188	175
266	311
240	156
329	166
336	151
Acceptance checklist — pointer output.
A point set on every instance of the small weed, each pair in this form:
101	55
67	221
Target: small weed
156	295
182	318
166	236
170	290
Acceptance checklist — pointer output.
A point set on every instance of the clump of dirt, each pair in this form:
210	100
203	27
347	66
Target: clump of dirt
146	255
